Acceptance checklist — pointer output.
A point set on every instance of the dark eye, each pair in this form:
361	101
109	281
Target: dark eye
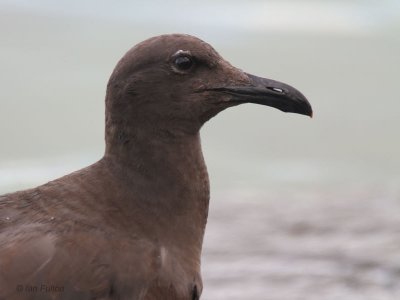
183	63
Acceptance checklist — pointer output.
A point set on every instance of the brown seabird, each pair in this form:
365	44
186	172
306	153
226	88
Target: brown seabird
131	225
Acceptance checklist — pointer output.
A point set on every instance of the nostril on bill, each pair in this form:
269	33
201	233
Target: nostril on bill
278	90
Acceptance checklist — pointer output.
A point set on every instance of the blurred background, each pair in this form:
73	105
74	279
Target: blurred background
300	208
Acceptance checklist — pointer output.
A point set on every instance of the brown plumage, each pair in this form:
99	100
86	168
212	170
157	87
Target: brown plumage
131	225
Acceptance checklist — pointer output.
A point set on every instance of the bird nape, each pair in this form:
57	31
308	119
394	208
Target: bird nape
131	225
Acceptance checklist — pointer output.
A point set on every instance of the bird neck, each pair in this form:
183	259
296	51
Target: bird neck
171	165
168	179
149	150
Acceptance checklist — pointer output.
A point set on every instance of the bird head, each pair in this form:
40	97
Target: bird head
172	84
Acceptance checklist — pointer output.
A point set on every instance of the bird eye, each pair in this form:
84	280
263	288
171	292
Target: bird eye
183	62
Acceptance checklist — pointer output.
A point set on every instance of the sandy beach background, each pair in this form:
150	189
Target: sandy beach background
300	208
